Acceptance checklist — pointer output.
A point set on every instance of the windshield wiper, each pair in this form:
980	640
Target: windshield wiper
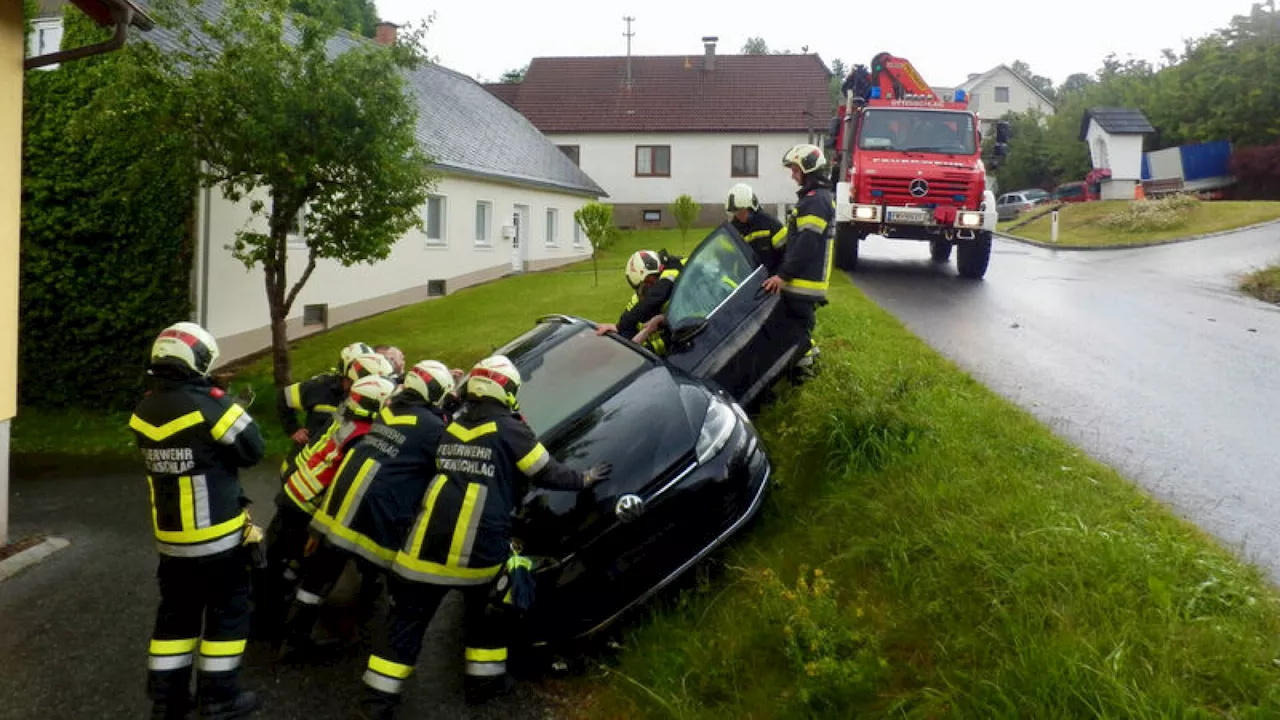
931	149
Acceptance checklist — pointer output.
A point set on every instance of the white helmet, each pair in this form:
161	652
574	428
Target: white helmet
186	345
808	158
641	265
495	377
369	364
741	197
431	379
368	395
351	352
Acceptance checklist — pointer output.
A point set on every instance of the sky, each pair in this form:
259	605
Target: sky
946	40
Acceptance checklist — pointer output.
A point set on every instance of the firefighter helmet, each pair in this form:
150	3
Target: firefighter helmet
368	395
741	197
369	364
394	354
430	379
351	352
185	345
808	158
495	377
641	265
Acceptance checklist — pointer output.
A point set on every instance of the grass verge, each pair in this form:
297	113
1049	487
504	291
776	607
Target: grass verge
1263	284
1116	223
932	551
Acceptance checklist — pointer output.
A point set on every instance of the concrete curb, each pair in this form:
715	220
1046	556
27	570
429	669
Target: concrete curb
13	565
1174	241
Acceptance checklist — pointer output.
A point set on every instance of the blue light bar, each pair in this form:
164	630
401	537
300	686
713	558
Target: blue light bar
958	198
875	93
960	96
877	193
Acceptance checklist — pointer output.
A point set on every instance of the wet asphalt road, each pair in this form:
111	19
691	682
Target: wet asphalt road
1148	359
74	629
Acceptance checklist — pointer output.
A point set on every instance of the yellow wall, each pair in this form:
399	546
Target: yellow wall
11	52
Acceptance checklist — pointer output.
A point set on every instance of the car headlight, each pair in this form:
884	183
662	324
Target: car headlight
865	213
717	428
969	219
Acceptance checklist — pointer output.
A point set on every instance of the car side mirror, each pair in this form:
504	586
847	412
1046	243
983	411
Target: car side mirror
1003	132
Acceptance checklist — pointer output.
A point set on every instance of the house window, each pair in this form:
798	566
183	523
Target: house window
484	222
653	161
744	161
1002	94
577	234
45	38
436	288
553	225
571	151
652	215
436	209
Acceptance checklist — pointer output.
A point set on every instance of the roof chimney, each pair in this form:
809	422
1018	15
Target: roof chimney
385	33
709	61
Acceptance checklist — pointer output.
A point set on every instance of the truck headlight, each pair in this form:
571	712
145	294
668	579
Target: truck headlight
864	213
969	219
717	428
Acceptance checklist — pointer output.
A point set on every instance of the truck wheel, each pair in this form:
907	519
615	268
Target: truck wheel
973	256
847	240
940	250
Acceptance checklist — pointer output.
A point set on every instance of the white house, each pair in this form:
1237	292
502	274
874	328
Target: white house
505	203
999	92
1115	139
651	128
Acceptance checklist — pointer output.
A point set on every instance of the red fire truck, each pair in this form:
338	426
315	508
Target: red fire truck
909	166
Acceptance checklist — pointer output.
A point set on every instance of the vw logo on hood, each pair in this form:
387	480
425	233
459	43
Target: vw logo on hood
918	188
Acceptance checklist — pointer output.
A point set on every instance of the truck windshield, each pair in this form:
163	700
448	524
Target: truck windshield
900	130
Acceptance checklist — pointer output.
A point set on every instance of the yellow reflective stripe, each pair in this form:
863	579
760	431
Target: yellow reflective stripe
187	537
729	281
486	655
812	222
809	284
158	433
756	235
420	532
390	669
228	419
467	435
293	396
391	418
173	647
325	408
333	528
780	237
352	492
669	274
222	648
465	517
442	571
826	270
151	486
187	503
533	457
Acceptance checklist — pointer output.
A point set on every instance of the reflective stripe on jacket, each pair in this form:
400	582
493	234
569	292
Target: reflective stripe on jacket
807	242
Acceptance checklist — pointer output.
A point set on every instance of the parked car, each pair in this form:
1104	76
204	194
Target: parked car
1071	192
689	467
1010	205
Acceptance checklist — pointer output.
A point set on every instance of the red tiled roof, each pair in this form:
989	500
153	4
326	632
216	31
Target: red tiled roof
743	93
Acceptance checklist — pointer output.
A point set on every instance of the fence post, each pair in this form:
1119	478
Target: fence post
1053	228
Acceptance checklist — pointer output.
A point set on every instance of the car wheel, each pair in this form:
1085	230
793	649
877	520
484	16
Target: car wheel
847	239
940	250
973	257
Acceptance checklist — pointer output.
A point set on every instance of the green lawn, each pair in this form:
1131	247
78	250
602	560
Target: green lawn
1263	284
1085	224
458	329
932	551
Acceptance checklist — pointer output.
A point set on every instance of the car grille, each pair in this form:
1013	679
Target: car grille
896	191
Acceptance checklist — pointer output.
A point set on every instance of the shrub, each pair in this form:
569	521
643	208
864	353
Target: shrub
1257	171
1152	215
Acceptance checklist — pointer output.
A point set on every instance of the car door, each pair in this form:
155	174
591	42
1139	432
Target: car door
725	328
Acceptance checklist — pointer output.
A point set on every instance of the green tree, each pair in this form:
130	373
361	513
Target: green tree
514	75
685	211
596	221
838	73
299	134
755	46
1039	82
358	16
1075	83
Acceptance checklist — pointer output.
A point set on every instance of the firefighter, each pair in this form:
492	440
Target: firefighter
806	245
194	440
375	496
652	277
395	356
462	537
755	226
303	489
317	397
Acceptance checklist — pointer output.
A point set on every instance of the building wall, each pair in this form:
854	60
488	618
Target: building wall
700	166
1121	153
982	96
11	55
231	301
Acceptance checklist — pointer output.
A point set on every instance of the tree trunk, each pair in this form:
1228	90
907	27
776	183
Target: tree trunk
273	271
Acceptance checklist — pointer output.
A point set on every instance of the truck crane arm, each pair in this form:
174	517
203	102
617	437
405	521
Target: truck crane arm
898	79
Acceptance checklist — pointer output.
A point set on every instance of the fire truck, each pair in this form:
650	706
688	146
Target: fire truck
909	166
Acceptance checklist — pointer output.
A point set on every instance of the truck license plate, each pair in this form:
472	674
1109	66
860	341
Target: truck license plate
917	217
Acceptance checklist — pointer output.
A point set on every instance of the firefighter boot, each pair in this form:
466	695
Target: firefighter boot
481	690
241	705
375	705
170	710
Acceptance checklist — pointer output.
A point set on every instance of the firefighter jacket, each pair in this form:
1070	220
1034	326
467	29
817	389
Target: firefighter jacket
641	308
319	461
486	460
318	397
378	489
806	242
758	231
194	440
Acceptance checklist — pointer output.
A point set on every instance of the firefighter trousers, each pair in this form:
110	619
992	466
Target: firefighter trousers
412	606
213	592
287	537
320	571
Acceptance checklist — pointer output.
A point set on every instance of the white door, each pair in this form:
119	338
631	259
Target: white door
520	243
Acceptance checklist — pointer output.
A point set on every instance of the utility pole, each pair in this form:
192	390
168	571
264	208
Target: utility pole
628	35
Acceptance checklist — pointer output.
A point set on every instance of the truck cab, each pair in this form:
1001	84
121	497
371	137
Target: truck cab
910	167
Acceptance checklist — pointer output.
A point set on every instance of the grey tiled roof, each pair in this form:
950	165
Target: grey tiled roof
462	127
1117	121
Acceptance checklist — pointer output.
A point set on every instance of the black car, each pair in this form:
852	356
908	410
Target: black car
689	468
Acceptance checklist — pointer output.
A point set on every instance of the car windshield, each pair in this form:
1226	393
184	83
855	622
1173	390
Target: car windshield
917	131
1036	194
716	268
559	382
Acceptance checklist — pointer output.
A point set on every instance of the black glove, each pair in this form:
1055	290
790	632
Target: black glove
597	473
